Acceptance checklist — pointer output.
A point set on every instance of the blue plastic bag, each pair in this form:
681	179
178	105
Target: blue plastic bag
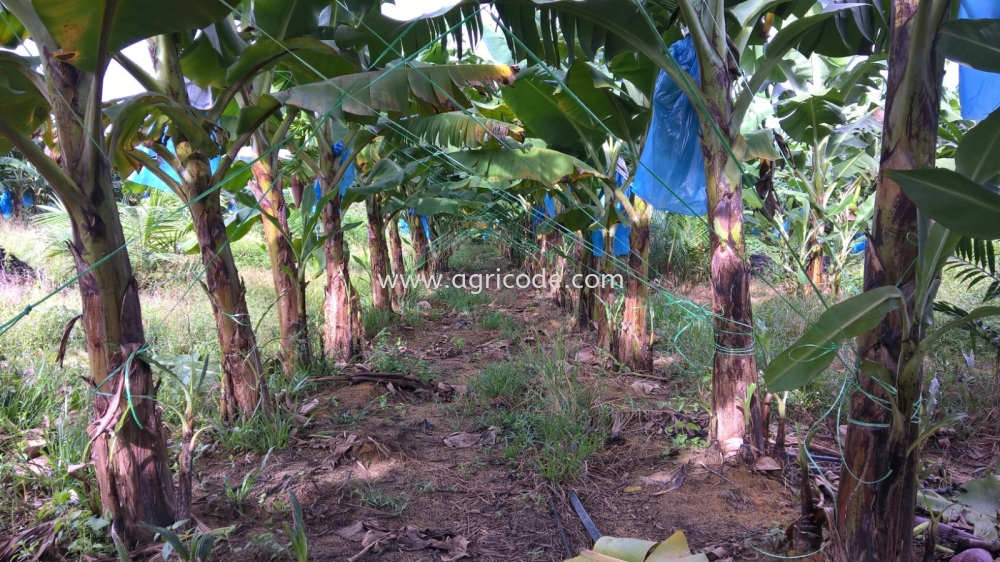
347	180
404	226
538	216
671	174
146	177
623	233
622	246
978	91
6	204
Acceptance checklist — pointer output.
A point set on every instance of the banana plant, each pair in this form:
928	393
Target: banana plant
339	107
814	199
140	126
638	28
245	69
951	203
20	178
76	40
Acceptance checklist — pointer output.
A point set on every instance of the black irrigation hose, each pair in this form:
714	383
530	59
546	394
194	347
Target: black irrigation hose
562	532
588	523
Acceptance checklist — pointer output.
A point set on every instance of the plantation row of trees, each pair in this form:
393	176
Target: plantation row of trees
432	132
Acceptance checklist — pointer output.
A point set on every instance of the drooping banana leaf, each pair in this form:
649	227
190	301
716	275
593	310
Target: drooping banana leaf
455	129
78	26
22	103
363	95
539	164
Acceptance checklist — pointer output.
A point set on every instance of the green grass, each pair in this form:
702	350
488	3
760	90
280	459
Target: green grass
461	300
506	379
369	495
495	320
475	253
374	320
549	418
258	433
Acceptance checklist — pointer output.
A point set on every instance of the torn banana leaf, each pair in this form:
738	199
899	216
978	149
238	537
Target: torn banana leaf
614	549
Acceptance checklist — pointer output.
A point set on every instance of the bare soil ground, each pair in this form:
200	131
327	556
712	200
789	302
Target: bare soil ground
380	483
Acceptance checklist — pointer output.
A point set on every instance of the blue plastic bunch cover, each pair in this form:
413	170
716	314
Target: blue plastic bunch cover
404	226
671	174
347	180
7	202
978	91
146	177
622	233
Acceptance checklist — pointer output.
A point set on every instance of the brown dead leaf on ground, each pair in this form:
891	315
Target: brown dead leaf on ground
42	536
767	464
373	536
667	481
644	387
463	440
344	447
587	356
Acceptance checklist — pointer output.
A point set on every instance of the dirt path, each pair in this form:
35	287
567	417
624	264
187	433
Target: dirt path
371	467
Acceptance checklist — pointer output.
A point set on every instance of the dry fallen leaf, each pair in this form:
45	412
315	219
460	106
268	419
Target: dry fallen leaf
644	387
767	464
34	442
372	536
462	439
587	356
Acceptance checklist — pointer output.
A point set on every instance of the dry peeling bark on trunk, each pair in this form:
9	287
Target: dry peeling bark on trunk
134	479
243	384
421	247
734	367
284	269
634	349
587	266
133	475
343	339
875	521
398	265
604	296
379	254
441	246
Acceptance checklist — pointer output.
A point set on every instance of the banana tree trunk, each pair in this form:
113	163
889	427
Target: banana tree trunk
604	295
398	265
421	247
634	349
284	270
379	254
877	495
734	368
129	449
343	338
243	386
16	199
588	265
555	268
131	463
440	247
